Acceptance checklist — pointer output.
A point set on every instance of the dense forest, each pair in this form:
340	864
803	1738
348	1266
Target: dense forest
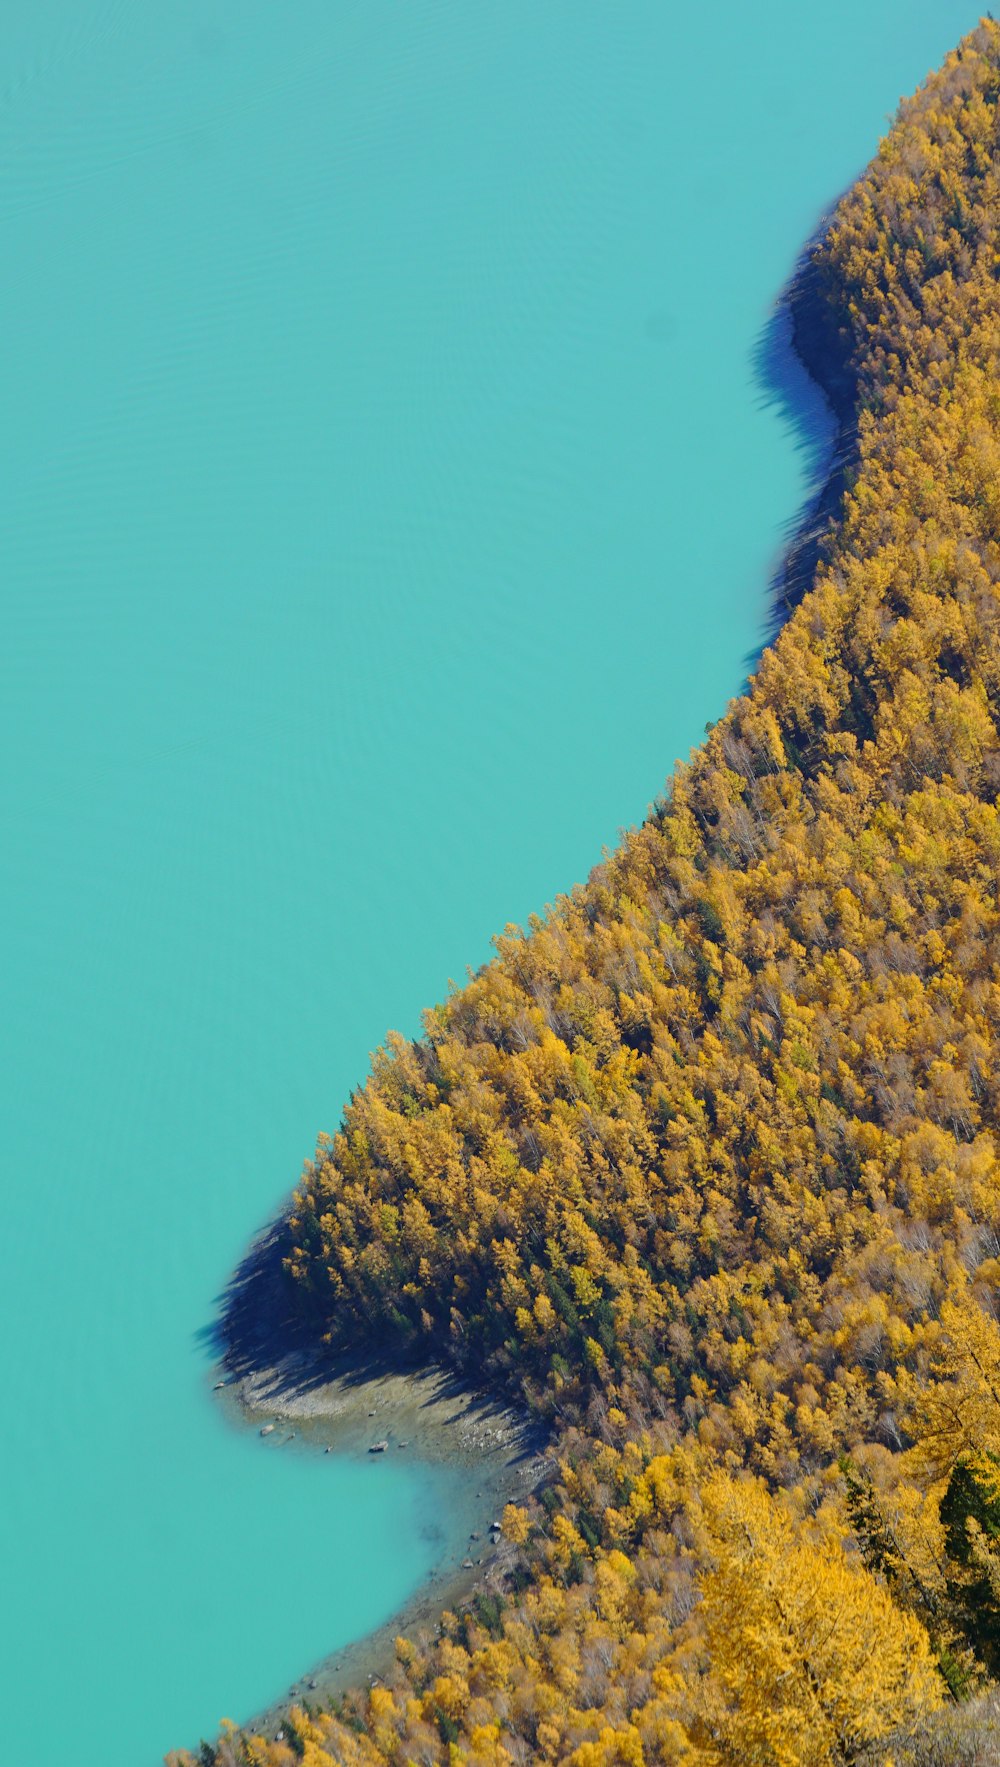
703	1165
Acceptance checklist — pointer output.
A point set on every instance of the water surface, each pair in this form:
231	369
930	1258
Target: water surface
387	501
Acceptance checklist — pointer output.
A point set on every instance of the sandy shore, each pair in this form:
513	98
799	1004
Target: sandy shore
425	1415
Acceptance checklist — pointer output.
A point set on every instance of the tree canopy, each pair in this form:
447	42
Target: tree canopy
703	1165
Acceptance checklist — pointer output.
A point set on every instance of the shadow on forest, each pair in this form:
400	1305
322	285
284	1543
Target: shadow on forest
257	1332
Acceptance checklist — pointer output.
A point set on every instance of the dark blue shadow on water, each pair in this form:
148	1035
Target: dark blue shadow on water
823	443
257	1332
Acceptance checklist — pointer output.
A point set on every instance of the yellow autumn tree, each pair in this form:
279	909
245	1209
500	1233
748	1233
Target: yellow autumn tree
958	1411
808	1659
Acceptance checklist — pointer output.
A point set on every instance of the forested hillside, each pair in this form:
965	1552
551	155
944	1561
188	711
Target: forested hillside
704	1164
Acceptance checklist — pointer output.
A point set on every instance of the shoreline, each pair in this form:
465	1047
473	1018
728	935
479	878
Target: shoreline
820	353
803	370
273	1377
424	1413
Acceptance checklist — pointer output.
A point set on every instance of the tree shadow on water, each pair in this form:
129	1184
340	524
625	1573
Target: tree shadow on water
255	1326
823	438
258	1333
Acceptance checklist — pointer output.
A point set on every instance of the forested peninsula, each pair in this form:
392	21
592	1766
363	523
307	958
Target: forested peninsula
702	1167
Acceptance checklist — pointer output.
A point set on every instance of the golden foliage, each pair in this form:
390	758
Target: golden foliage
809	1658
703	1165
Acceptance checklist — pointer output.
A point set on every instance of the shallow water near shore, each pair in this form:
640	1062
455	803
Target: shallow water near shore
389	498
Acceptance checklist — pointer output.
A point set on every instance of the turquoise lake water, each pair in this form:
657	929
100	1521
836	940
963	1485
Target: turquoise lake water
388	499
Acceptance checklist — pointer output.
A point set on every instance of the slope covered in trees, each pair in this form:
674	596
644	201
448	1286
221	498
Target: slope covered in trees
704	1164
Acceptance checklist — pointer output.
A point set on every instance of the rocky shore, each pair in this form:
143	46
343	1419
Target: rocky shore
271	1382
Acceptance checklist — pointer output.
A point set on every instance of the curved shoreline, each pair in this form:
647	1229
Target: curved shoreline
271	1379
273	1375
424	1414
794	337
